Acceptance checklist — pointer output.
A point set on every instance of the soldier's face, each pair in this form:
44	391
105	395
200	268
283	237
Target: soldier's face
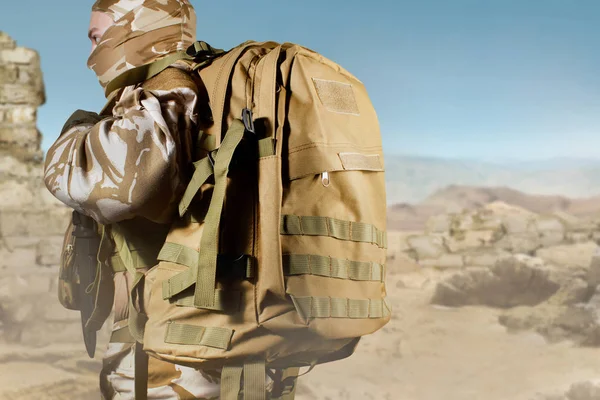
99	23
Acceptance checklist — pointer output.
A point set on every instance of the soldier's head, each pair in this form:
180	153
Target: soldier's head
129	33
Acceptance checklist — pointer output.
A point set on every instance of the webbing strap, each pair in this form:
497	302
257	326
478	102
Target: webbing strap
117	264
225	300
361	162
266	147
255	377
337	228
216	337
255	380
144	72
310	264
332	307
179	254
203	171
204	296
231	381
241	267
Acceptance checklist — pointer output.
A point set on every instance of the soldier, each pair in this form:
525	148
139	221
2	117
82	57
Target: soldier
129	165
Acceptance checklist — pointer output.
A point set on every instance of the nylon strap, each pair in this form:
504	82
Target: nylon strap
310	264
117	265
216	337
337	228
360	162
180	254
203	171
331	307
255	380
266	147
144	72
222	82
231	381
209	244
225	300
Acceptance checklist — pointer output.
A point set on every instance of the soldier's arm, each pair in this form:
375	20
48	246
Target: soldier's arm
129	164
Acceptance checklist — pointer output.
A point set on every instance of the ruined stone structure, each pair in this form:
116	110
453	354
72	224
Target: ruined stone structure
36	334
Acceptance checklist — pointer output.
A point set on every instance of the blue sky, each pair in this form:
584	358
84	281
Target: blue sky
484	79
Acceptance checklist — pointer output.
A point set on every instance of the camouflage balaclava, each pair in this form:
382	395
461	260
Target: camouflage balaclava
144	31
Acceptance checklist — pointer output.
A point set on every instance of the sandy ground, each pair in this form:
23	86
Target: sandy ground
429	353
424	353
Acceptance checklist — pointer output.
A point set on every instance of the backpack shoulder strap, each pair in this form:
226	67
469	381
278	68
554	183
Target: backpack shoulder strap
197	52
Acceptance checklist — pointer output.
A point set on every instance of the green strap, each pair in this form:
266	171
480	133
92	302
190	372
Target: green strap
242	267
337	228
266	147
209	244
144	72
117	265
203	171
225	300
231	380
255	377
255	380
184	334
310	264
331	307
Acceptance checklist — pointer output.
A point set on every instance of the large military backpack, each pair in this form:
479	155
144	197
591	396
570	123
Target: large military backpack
278	259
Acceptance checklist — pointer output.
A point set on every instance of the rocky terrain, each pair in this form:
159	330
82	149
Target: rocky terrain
455	198
494	292
411	179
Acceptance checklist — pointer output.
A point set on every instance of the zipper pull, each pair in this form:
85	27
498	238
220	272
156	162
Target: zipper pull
325	178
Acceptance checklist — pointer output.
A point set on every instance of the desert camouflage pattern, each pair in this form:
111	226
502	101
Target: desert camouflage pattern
130	164
114	169
144	31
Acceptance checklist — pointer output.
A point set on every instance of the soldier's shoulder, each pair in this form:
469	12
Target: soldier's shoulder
170	79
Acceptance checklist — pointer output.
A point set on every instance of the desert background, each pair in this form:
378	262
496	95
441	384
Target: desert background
493	275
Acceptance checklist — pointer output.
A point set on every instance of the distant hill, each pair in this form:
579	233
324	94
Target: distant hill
412	179
455	198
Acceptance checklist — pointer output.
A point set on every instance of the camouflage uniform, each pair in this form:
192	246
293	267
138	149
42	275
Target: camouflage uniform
131	164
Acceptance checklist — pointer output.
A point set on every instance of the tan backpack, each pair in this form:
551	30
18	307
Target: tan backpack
278	259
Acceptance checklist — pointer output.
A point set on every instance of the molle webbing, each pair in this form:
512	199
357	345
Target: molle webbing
337	228
198	335
310	264
331	307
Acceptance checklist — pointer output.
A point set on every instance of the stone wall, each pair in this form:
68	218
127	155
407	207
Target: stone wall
32	222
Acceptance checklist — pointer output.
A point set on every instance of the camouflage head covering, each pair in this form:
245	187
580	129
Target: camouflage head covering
144	31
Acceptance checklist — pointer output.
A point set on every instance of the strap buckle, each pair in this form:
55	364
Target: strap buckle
211	157
248	121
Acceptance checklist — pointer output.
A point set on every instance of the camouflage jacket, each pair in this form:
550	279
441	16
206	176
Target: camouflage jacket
131	163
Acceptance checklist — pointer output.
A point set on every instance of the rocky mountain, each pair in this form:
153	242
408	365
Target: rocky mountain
455	198
411	179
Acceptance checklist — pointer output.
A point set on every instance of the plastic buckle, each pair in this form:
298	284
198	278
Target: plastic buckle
248	121
211	157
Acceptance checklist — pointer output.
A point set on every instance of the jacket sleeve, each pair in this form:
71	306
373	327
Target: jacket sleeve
131	163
